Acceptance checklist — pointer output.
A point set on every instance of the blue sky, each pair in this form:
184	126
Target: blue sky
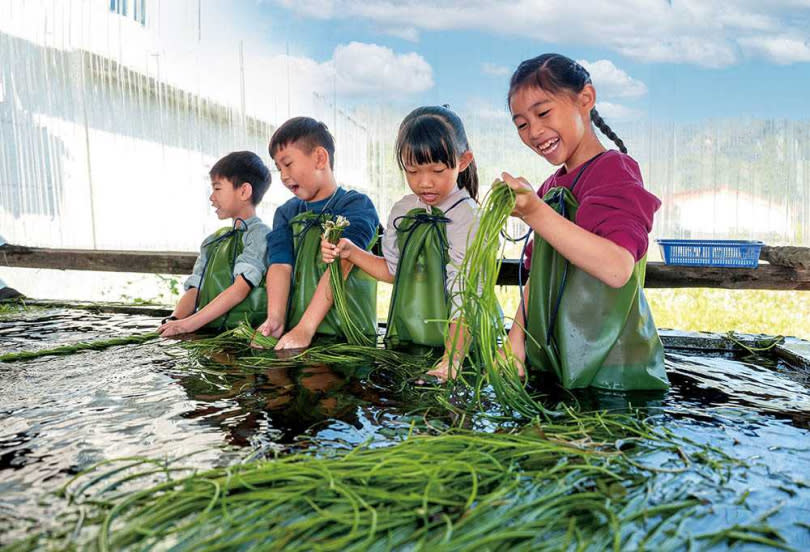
649	58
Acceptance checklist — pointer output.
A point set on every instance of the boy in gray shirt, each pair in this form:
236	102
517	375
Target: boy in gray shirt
227	281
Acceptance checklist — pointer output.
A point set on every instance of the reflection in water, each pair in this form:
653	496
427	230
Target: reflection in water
277	404
60	415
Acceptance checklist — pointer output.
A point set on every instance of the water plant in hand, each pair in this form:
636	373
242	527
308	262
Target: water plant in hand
332	232
491	354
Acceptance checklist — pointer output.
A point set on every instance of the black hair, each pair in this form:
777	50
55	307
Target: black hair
434	134
555	73
307	134
243	166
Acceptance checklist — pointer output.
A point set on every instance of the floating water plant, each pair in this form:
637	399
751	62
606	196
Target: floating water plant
589	482
236	343
81	346
332	232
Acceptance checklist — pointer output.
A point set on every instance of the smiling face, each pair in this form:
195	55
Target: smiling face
304	174
434	182
230	201
555	126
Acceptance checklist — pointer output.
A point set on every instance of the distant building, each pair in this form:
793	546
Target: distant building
112	111
729	214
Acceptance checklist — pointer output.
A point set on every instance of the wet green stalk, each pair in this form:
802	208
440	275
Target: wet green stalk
492	355
82	346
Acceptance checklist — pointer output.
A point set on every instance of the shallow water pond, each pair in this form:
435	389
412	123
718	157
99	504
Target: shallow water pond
60	415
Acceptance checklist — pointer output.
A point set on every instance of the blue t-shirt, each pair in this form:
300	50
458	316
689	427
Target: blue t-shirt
355	206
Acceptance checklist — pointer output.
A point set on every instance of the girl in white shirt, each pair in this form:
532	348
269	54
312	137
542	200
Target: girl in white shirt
426	235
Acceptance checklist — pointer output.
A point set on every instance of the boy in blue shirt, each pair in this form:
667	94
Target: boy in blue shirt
299	297
226	283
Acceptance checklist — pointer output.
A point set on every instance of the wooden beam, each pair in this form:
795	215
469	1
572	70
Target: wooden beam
157	262
659	275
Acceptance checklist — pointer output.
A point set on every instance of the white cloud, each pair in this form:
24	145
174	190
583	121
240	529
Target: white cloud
364	69
778	49
613	112
495	70
612	82
708	33
411	34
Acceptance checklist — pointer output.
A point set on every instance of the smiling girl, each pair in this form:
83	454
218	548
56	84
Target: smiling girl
585	314
426	236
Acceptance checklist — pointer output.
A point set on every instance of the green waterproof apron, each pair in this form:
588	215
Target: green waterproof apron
221	253
587	333
361	289
419	302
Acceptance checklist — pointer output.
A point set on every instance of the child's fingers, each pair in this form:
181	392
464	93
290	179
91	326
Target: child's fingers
516	183
328	252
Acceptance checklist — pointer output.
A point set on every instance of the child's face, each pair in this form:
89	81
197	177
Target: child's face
227	200
551	125
301	171
434	182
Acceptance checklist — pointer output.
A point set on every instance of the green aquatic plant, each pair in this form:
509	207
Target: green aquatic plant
236	343
588	482
492	355
98	345
332	232
13	306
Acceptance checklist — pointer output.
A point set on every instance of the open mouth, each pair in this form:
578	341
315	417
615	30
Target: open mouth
548	146
429	197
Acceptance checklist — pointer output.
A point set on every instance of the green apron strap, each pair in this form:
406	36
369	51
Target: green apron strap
221	253
419	302
361	289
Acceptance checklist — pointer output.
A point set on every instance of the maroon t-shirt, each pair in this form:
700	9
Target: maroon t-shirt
612	200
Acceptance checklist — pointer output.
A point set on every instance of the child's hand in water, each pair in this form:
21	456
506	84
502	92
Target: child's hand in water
442	370
297	338
445	370
177	327
526	201
270	327
516	361
331	251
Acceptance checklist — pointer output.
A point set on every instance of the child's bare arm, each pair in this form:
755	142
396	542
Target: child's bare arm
598	256
278	292
455	348
185	306
222	303
368	262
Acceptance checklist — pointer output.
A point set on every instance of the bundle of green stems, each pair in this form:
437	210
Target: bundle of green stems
491	354
238	343
332	232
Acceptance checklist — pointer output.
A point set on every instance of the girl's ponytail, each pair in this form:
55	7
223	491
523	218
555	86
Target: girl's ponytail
468	179
606	130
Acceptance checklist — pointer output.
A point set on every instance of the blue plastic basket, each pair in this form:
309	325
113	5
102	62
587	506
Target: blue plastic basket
730	253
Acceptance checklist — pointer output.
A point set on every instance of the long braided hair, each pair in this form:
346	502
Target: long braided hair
555	73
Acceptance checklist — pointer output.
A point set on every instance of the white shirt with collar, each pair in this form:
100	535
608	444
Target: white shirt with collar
463	215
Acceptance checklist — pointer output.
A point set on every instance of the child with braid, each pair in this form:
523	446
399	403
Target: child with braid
585	318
